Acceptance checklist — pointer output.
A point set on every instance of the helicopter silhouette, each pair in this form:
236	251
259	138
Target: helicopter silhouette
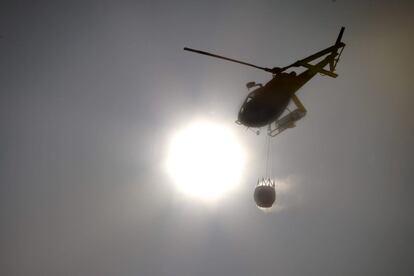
266	104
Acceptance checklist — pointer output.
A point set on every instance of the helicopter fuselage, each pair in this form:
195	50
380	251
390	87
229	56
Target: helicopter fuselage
266	104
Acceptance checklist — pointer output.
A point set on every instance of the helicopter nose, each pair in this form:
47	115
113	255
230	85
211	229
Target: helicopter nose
246	117
254	115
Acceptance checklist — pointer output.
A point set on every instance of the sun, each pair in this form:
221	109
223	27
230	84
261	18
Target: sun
205	160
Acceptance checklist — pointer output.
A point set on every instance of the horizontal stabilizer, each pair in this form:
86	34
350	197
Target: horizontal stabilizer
319	54
318	69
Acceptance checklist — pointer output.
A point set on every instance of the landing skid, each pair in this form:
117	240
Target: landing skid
287	121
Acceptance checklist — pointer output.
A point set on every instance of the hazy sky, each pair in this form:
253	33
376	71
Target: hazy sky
91	92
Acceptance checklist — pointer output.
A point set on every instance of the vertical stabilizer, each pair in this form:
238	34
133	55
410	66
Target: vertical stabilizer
338	40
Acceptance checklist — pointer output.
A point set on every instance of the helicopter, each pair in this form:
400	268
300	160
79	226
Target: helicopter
267	105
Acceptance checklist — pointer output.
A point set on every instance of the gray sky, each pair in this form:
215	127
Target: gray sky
92	90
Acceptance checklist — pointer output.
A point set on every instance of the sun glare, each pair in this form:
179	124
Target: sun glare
205	160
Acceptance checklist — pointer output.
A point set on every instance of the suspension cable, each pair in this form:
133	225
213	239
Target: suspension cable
268	158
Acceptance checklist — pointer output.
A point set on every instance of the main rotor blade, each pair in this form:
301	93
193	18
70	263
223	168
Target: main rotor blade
228	59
